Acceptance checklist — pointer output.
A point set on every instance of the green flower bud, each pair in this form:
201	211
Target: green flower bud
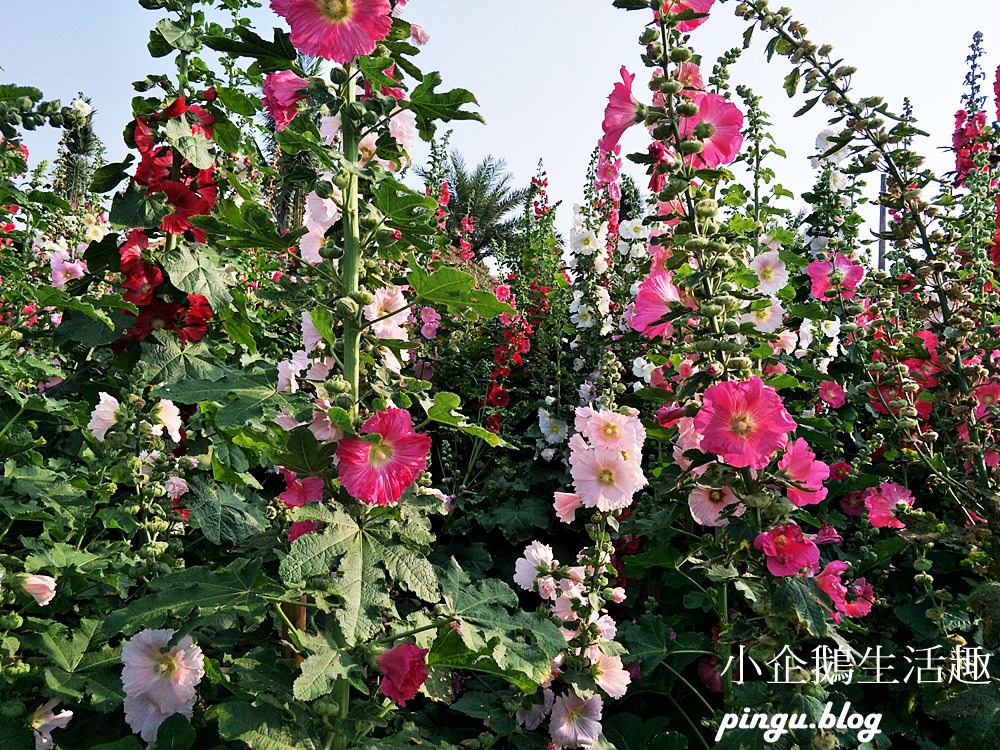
687	108
680	54
330	251
345	307
691	147
11	709
11	621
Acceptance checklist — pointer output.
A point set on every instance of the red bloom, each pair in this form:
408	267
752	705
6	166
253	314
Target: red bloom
141	284
621	113
379	472
194	323
403	672
787	550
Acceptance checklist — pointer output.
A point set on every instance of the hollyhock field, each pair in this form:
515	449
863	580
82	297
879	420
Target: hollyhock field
309	446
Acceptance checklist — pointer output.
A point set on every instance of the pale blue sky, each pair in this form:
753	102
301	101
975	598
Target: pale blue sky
542	69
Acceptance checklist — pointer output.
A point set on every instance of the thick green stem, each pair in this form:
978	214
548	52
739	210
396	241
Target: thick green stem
350	263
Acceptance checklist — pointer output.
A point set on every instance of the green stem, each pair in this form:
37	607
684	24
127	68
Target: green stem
414	631
13	419
350	263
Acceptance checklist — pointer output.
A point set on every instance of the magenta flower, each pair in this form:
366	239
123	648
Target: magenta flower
832	393
721	126
403	672
676	7
799	465
622	112
787	550
299	492
379	472
882	502
337	30
654	302
861	592
575	722
743	423
839	277
282	93
157	684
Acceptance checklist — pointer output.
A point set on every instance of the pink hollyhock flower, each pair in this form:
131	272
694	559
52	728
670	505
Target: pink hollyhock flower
882	502
44	720
690	77
864	597
289	371
167	416
604	478
310	333
824	275
157	684
379	472
719	124
622	112
337	30
388	314
799	465
832	393
321	426
576	722
298	528
104	416
537	560
566	505
299	492
531	717
610	429
175	487
840	471
610	675
64	268
707	503
403	672
653	304
743	423
827	534
787	550
829	583
282	93
772	274
41	588
688	439
676	7
419	36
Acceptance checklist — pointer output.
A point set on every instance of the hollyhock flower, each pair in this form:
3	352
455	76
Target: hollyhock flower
766	319
832	393
690	77
299	492
604	478
721	131
403	670
282	93
799	465
610	675
553	430
622	112
389	301
710	673
676	7
576	722
743	423
337	30
821	273
537	560
772	274
41	588
881	503
44	720
175	487
610	429
707	503
157	684
531	717
787	550
566	506
167	416
298	528
863	594
828	581
65	268
379	472
653	303
310	334
104	416
289	371
419	36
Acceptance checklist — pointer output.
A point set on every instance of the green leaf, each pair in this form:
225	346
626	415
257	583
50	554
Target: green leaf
222	514
263	727
429	105
109	176
192	146
443	410
178	35
126	743
67	651
795	607
134	208
175	733
246	226
454	289
164	361
239	102
277	55
199	272
323	667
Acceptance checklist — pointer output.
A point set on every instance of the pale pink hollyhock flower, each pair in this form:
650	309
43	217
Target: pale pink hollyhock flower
743	422
689	75
772	274
881	503
605	479
403	128
104	416
688	439
157	684
321	426
337	30
787	550
723	126
766	319
606	626
537	558
404	670
319	369
622	112
799	465
418	35
547	587
676	7
289	370
707	503
41	588
787	341
655	300
310	334
610	675
618	594
379	473
566	505
286	420
611	429
823	287
531	718
175	487
282	93
64	268
832	393
389	301
44	720
576	722
167	416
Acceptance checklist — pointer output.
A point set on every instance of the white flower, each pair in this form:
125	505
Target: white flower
767	319
830	328
838	180
772	275
583	317
632	230
104	416
548	454
82	107
44	720
175	487
167	415
600	263
584	242
824	142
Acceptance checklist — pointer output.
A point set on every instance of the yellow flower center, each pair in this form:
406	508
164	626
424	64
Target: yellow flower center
166	665
609	430
716	496
606	477
742	425
766	273
335	11
761	316
379	455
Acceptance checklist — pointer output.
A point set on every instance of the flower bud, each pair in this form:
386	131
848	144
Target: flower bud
680	54
687	108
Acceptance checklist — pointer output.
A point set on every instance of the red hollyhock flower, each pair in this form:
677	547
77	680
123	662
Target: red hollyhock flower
379	472
194	323
141	283
787	550
403	672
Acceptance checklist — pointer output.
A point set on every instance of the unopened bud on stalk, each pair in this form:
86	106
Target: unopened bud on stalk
687	109
680	54
706	209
